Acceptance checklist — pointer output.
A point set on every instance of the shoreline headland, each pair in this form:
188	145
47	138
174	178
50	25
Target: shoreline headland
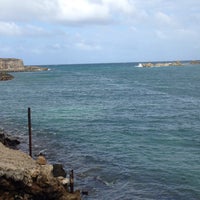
22	177
162	64
17	65
167	64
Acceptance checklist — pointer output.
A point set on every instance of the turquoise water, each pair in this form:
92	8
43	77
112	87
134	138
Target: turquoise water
128	132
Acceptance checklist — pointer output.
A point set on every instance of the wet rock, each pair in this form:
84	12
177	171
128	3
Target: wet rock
8	141
5	77
58	170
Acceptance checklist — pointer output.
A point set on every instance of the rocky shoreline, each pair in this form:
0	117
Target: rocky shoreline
163	64
8	141
25	69
23	178
15	65
168	64
5	76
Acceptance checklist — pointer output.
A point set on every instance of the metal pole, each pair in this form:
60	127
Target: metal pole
30	133
71	182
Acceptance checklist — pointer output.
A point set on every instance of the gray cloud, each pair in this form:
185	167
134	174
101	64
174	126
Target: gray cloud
64	11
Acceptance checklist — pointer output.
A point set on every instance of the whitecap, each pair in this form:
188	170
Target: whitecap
139	65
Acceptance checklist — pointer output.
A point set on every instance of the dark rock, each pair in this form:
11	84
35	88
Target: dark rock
5	77
58	170
8	141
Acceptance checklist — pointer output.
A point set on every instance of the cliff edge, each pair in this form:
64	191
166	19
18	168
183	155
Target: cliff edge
11	64
17	65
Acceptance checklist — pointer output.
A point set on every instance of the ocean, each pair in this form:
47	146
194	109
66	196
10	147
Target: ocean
129	133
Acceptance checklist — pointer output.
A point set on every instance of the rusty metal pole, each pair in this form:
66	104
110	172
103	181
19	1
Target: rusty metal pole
71	181
29	131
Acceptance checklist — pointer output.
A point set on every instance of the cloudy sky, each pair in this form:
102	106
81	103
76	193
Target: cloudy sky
95	31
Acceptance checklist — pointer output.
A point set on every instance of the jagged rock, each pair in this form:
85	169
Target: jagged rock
21	177
5	77
41	160
58	170
147	64
8	141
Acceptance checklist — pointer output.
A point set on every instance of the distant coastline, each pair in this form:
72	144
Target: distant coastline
167	64
15	65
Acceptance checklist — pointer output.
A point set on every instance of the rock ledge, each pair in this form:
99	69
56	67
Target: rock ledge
21	177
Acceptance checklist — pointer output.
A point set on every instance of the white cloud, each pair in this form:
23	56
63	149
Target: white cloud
49	27
91	12
13	29
165	20
124	6
20	10
9	29
65	11
76	12
79	11
86	46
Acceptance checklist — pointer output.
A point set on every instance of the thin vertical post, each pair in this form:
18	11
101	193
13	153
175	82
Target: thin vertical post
71	181
29	131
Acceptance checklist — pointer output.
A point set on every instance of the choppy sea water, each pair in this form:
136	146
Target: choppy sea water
128	132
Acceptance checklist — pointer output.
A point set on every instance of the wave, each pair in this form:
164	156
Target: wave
139	65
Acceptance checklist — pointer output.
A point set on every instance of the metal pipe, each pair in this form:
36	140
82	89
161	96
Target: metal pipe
30	133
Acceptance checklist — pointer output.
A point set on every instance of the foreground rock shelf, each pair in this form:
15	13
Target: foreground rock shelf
21	177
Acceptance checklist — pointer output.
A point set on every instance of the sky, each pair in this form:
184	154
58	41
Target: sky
99	31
